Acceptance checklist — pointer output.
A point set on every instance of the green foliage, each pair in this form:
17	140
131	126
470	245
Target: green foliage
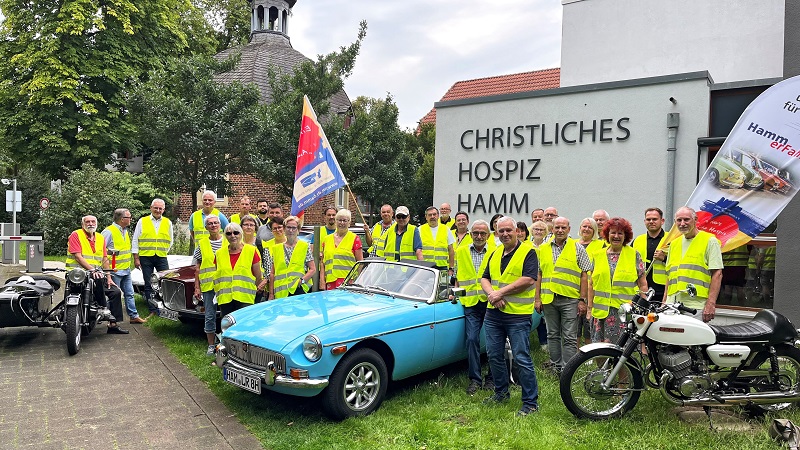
274	160
96	192
421	145
229	20
197	129
65	66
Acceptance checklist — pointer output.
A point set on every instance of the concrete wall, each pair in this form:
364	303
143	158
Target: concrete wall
623	176
787	271
606	40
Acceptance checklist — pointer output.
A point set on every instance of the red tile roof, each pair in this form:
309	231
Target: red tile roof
498	85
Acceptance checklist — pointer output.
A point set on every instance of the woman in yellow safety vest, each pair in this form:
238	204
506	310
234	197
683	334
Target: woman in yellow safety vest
250	236
340	252
292	263
538	233
238	272
618	275
589	236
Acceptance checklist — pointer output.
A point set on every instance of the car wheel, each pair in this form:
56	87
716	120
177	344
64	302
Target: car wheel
357	386
713	177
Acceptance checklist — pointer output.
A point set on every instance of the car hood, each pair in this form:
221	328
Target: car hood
276	323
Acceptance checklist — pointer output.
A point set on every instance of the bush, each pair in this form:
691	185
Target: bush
91	191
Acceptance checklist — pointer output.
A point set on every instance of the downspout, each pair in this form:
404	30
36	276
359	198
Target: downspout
673	121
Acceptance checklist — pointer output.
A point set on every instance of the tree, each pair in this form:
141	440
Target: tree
275	160
421	144
373	152
229	19
97	192
65	66
197	129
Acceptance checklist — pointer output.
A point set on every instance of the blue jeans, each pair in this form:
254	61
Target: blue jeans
125	284
473	316
149	263
562	329
519	335
211	312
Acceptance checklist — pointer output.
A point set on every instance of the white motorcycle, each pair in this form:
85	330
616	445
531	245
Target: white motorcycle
754	364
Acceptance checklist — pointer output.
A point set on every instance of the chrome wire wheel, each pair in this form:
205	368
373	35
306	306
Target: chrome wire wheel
362	386
788	376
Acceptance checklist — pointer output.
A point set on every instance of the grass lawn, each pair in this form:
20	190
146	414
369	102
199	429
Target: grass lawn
432	411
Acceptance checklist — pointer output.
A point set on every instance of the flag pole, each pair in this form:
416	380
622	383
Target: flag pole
363	220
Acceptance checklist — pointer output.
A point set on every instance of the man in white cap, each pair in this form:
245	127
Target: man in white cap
402	240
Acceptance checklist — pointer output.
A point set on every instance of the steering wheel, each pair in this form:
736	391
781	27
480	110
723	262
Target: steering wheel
417	291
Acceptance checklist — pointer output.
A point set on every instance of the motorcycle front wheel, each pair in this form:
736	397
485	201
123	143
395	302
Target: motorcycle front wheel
72	320
582	388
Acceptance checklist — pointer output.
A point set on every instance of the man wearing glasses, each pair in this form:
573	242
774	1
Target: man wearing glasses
402	240
152	239
118	244
470	264
550	214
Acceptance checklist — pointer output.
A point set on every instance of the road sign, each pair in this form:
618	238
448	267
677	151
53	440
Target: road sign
14	201
44	203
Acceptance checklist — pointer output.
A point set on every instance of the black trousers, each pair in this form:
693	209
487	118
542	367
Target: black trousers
110	298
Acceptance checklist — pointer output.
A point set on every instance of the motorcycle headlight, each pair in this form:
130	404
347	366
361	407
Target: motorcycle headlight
312	348
154	282
227	322
624	312
77	276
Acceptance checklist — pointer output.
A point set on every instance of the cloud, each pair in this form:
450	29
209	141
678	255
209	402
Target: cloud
417	49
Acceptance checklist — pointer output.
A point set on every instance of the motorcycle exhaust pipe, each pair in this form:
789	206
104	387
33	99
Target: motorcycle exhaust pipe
763	398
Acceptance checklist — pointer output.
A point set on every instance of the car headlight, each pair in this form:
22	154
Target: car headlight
227	322
624	312
77	276
154	282
312	348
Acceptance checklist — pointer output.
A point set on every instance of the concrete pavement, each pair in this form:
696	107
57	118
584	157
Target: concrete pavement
119	392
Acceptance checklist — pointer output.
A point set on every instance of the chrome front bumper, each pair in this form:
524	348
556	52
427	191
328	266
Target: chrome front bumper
269	377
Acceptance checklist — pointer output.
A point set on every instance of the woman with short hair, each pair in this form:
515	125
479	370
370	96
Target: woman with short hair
238	272
340	252
292	263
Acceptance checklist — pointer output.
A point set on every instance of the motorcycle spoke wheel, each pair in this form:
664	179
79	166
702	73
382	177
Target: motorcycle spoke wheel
788	375
582	386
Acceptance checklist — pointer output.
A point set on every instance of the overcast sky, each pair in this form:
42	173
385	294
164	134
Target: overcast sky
417	49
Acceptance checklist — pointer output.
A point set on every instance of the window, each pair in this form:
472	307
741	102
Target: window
748	278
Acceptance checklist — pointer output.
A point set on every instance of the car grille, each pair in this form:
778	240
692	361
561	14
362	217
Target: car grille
173	294
254	356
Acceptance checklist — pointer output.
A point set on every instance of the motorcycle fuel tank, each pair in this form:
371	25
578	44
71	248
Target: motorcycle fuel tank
680	330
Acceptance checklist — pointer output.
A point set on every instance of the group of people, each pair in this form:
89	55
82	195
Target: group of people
509	270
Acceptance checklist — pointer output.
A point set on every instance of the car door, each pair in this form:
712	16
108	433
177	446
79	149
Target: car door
448	329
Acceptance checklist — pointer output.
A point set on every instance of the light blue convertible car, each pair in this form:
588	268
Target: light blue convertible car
388	321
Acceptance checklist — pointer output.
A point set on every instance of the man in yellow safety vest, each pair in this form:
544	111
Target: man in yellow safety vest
118	244
376	237
649	246
151	242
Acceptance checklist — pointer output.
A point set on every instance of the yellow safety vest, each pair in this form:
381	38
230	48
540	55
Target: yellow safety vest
198	227
122	245
523	302
659	269
468	278
207	266
610	293
691	267
768	263
94	258
435	249
464	242
406	244
152	242
449	224
338	260
235	283
595	245
563	277
736	257
378	237
237	218
287	278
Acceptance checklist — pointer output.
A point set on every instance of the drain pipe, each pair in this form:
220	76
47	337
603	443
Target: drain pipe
673	121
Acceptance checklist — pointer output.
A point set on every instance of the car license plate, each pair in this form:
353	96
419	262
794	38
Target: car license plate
244	381
168	314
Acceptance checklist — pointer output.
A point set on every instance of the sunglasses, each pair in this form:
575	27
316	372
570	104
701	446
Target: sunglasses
232	233
401	216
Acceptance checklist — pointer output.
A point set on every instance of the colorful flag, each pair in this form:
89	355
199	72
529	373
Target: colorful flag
317	173
756	171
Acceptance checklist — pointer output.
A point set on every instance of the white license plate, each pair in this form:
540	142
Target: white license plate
244	381
168	314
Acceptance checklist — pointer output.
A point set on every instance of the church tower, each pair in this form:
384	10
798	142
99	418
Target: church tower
270	16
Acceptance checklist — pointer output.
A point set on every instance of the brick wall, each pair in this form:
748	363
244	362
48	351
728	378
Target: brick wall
241	185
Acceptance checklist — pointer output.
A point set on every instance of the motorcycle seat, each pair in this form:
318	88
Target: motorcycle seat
767	326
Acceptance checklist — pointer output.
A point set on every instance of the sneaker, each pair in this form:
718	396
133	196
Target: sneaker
212	350
488	384
543	347
473	387
497	398
526	411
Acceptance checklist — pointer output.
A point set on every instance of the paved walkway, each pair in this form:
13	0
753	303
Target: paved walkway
119	392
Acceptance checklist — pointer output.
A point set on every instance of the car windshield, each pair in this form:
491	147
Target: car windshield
394	279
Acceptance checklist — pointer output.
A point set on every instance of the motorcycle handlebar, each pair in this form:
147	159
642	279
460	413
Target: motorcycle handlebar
685	309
